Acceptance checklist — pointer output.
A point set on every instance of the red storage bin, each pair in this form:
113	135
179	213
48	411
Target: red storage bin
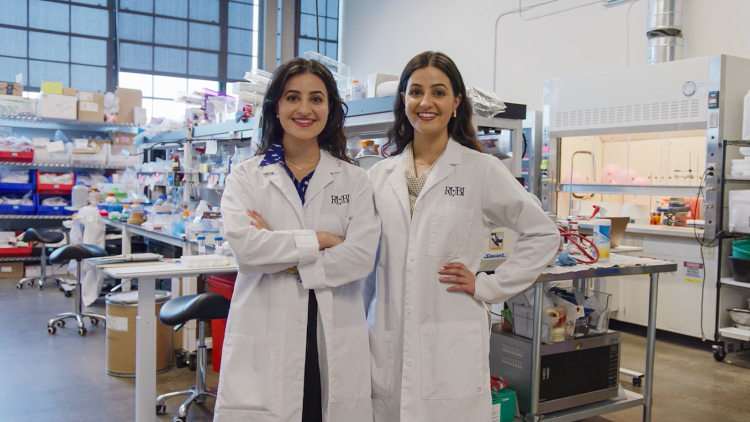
223	285
56	188
16	252
17	157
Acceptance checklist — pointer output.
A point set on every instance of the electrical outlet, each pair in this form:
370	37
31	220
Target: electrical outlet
711	166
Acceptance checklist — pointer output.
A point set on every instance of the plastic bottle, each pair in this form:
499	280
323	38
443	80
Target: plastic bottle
161	200
111	202
80	195
201	245
602	235
125	214
136	207
746	118
362	150
202	207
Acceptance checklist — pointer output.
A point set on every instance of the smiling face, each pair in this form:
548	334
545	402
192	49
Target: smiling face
429	101
303	108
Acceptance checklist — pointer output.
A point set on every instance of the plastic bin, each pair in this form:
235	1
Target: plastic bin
17	156
56	188
55	210
43	156
19	209
15	252
20	187
86	176
223	285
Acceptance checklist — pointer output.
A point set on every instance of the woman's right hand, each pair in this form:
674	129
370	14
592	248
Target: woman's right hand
328	240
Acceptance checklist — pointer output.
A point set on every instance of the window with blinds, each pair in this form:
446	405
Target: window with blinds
324	38
57	40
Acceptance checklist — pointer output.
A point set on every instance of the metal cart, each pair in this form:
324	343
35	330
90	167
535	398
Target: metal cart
582	273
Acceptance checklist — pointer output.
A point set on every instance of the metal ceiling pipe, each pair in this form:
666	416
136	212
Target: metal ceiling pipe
664	30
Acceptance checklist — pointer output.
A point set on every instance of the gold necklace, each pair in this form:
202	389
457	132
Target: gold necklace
303	168
424	164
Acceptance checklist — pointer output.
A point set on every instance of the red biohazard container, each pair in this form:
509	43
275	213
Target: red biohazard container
222	284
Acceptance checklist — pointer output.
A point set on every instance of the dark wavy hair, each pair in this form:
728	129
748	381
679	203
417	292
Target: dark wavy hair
460	128
332	138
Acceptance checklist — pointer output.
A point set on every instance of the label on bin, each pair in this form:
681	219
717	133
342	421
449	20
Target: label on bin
495	413
117	323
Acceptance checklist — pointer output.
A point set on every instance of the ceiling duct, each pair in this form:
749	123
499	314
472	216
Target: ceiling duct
664	30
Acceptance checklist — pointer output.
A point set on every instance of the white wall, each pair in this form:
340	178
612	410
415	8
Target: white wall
564	38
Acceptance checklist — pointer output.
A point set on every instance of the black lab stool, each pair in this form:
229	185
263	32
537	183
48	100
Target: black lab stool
78	253
176	313
43	237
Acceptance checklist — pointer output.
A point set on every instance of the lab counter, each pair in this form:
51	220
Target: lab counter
659	230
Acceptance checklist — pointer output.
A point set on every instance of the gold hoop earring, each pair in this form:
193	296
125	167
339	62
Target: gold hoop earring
454	112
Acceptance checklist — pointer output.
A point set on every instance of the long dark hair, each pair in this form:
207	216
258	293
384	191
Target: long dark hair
331	139
460	128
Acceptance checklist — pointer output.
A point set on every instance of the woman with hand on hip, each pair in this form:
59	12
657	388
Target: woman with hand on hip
301	222
439	198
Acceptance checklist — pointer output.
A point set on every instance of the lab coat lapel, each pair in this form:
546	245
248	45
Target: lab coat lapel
323	176
278	177
443	168
397	181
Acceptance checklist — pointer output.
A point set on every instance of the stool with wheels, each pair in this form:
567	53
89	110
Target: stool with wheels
78	253
43	237
177	312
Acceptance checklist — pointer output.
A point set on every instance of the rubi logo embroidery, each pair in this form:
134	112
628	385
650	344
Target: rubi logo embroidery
454	190
339	199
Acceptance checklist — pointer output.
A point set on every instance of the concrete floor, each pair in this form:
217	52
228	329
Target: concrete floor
61	377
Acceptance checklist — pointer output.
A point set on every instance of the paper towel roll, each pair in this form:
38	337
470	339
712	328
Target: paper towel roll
638	214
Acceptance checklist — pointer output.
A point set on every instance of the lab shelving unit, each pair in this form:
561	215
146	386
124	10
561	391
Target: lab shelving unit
728	339
33	127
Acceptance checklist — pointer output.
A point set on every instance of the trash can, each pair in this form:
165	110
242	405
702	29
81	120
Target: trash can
122	310
223	285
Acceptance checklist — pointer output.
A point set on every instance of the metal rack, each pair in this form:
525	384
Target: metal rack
721	334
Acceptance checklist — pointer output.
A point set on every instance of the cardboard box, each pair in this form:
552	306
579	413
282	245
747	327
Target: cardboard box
33	271
11	270
54	106
129	99
57	269
11	105
91	106
11	88
69	91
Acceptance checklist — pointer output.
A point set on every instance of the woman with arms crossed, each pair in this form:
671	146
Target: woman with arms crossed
439	198
301	222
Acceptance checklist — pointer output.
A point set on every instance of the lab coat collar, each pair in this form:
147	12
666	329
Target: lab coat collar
397	181
443	168
279	178
327	167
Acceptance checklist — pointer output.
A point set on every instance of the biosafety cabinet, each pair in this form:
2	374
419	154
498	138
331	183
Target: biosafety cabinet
637	139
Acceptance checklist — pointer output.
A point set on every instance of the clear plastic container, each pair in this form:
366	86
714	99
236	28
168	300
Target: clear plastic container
125	214
218	244
201	245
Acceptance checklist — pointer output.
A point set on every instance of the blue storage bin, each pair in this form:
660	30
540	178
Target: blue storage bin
19	209
45	210
20	187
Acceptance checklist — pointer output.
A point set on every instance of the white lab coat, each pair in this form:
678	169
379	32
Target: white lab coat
429	347
264	348
88	229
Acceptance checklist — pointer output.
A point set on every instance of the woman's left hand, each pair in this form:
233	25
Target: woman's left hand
258	221
463	279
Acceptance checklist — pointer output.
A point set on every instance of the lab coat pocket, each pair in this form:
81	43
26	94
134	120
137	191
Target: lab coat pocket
251	374
449	228
383	363
334	224
348	368
452	360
